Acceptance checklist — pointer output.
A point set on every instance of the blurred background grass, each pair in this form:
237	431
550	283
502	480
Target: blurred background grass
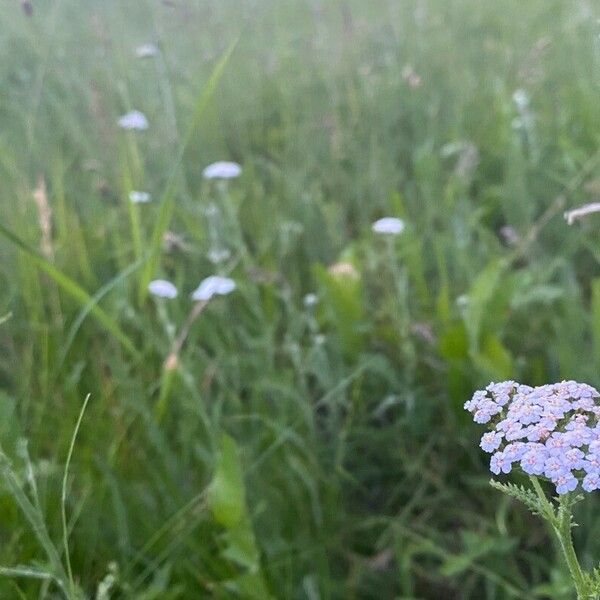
342	465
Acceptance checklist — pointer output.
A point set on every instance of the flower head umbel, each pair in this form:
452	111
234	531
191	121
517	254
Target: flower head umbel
214	285
161	288
138	197
133	121
551	431
146	50
388	226
222	170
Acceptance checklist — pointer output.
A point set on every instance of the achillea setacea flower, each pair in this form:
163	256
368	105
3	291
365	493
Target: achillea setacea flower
161	288
133	121
551	431
222	170
388	226
214	285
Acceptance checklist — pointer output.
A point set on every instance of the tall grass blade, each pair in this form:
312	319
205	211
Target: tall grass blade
63	496
73	289
34	517
93	303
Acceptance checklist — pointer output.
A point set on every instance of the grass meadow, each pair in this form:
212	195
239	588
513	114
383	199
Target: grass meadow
309	441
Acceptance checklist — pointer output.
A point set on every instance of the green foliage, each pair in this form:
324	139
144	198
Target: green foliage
227	497
529	498
349	468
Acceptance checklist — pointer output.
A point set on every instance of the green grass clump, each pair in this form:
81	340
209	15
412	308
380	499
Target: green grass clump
299	451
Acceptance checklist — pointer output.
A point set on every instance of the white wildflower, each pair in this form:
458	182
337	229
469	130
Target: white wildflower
212	286
134	121
389	225
139	197
521	99
146	51
310	300
222	170
162	288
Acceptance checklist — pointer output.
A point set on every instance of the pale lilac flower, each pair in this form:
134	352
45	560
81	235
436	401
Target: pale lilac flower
554	468
534	460
389	226
146	50
491	441
557	443
134	121
516	451
591	464
138	197
212	286
594	446
521	99
162	288
565	484
310	300
499	463
561	423
222	170
591	482
573	459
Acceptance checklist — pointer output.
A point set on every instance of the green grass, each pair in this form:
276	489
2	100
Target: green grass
303	452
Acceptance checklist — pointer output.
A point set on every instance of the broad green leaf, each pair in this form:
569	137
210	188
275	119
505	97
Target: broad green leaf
479	297
250	586
227	495
344	308
453	342
241	546
494	359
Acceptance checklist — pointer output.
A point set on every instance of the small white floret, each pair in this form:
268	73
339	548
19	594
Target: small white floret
389	226
133	121
139	197
212	286
222	170
310	300
146	51
521	99
161	288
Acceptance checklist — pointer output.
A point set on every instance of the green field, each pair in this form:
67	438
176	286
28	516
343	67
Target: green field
301	448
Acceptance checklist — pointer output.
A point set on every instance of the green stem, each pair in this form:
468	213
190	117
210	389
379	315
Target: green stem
561	524
548	507
563	532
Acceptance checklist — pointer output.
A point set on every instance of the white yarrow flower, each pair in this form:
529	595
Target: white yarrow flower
212	286
521	99
311	300
161	288
133	121
146	51
389	226
139	197
222	170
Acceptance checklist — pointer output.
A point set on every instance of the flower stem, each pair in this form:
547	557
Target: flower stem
561	524
563	532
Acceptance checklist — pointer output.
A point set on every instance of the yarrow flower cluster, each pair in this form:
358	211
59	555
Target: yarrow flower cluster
388	226
209	287
551	431
133	121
